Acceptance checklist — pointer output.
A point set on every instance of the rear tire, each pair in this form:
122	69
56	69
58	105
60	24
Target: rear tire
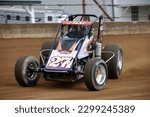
95	74
116	63
24	73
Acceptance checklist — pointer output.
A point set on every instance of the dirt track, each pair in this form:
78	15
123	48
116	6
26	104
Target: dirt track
133	84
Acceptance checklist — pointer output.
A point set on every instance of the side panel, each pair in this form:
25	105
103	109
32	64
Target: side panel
83	51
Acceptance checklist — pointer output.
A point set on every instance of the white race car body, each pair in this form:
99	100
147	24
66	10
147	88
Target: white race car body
60	60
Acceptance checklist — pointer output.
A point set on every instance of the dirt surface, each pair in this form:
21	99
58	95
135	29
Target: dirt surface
133	84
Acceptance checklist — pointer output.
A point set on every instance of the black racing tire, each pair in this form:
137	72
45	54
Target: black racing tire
115	65
23	73
95	74
46	46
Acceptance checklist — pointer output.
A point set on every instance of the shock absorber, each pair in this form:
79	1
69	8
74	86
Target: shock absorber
98	49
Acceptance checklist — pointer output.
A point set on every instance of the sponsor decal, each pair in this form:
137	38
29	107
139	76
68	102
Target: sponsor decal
86	23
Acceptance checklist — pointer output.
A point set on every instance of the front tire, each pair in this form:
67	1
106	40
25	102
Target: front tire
26	71
95	75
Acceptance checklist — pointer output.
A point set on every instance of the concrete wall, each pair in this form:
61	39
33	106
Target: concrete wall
27	30
48	30
122	28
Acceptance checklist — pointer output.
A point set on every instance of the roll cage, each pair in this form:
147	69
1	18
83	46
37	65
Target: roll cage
83	20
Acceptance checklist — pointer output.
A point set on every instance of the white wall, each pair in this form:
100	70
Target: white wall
123	14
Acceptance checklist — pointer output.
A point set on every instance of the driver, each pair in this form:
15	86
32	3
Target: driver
76	32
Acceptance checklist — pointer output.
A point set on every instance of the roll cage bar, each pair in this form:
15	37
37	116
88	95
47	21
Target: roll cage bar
87	17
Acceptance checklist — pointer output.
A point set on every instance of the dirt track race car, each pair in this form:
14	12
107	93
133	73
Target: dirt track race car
75	53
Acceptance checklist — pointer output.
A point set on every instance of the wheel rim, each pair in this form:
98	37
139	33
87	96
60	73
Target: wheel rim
30	73
100	74
119	64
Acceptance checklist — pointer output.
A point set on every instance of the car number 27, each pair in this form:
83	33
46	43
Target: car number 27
59	61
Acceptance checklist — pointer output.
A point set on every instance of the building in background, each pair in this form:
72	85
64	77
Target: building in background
132	10
29	11
53	11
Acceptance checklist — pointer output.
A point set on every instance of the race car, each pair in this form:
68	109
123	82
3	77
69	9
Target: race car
77	52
